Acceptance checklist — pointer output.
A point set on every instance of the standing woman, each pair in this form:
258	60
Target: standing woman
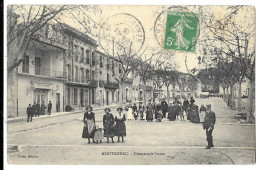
89	124
149	111
108	122
120	124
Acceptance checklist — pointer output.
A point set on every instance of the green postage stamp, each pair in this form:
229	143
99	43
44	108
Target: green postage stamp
181	31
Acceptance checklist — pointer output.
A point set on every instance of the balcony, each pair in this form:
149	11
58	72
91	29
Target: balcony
82	82
50	73
149	88
111	85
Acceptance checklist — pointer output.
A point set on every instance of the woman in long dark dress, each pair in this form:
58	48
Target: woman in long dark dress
108	123
149	111
120	124
89	124
171	115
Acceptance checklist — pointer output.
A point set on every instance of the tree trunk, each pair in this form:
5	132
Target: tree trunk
224	94
232	102
168	97
239	96
120	94
160	93
144	91
227	98
250	115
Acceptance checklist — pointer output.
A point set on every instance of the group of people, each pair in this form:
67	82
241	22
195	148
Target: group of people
112	126
36	110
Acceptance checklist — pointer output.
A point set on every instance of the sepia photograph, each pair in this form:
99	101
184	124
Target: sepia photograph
130	84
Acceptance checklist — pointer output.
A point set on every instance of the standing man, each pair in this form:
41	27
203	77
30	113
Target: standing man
34	111
29	113
164	107
208	125
38	110
185	105
49	107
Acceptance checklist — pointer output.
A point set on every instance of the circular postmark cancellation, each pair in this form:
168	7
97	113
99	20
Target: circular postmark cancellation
121	32
177	28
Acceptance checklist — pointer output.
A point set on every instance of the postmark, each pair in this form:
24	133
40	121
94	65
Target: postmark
121	32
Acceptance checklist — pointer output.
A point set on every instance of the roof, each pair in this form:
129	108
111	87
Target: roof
70	30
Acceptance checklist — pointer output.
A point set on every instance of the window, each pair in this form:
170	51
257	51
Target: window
37	66
107	77
113	66
93	59
82	55
69	72
76	52
82	75
93	75
25	66
76	74
87	73
87	56
101	61
113	96
107	64
75	96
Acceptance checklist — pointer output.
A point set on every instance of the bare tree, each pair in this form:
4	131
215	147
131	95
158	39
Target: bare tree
233	37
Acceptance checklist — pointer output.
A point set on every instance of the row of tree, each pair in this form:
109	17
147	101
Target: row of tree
229	51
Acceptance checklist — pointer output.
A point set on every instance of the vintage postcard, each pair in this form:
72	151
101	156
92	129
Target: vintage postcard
130	84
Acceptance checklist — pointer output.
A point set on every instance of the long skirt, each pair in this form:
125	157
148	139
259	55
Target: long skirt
202	116
130	114
88	129
195	117
110	130
120	128
149	115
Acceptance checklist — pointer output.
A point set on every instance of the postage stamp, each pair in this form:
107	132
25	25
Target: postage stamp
181	31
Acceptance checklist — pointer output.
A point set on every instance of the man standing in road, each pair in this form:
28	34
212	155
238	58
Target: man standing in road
164	107
185	105
29	113
49	107
208	125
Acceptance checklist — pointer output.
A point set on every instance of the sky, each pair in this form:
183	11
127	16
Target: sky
96	16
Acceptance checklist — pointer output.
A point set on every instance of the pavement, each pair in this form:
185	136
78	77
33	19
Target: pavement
54	114
57	140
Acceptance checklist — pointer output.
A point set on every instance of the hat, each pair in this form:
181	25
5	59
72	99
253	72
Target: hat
89	107
120	108
107	109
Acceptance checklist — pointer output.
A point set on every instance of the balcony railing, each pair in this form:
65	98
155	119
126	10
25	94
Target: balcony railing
149	88
86	81
50	73
107	84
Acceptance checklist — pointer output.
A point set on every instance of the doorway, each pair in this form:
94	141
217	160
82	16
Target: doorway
57	102
107	97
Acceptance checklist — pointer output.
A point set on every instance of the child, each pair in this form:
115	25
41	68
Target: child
181	112
159	116
141	110
98	134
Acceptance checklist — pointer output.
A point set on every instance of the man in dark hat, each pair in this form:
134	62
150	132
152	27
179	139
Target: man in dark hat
164	107
208	125
29	113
